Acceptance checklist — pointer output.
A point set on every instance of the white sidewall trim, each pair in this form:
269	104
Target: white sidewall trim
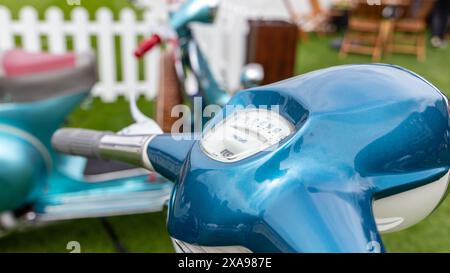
405	209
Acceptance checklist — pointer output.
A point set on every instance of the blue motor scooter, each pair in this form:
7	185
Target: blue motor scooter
39	185
322	162
183	57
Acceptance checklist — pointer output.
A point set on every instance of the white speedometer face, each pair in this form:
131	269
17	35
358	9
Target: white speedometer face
245	133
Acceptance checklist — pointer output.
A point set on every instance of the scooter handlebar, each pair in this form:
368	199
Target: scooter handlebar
80	142
105	145
147	45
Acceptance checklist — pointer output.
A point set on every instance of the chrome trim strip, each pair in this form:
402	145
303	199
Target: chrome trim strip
127	148
145	160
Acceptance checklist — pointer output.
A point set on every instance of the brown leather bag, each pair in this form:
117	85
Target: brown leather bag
169	90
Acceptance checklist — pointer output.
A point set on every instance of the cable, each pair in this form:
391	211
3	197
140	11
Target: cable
112	235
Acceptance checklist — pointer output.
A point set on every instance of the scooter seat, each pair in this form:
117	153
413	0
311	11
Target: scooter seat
19	62
28	76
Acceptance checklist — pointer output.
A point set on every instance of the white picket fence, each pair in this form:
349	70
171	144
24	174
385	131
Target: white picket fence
57	30
223	42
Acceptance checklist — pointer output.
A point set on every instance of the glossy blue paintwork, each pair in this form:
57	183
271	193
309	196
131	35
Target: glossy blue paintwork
40	118
201	11
21	164
198	11
362	132
168	154
25	133
212	92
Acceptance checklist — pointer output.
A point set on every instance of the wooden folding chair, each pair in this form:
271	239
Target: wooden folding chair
362	35
409	31
317	20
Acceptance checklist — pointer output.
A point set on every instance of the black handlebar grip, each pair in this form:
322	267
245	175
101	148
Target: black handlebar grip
81	142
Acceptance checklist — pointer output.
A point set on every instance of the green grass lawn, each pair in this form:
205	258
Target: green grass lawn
147	232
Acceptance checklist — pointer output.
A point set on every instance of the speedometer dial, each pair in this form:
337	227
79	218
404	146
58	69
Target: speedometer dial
245	133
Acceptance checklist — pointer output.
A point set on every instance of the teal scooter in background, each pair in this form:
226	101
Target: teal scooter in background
38	185
38	92
193	73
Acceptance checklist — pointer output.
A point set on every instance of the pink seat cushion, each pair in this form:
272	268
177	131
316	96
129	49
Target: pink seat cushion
18	62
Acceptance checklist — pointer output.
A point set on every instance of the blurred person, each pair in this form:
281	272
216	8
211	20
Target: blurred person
439	21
